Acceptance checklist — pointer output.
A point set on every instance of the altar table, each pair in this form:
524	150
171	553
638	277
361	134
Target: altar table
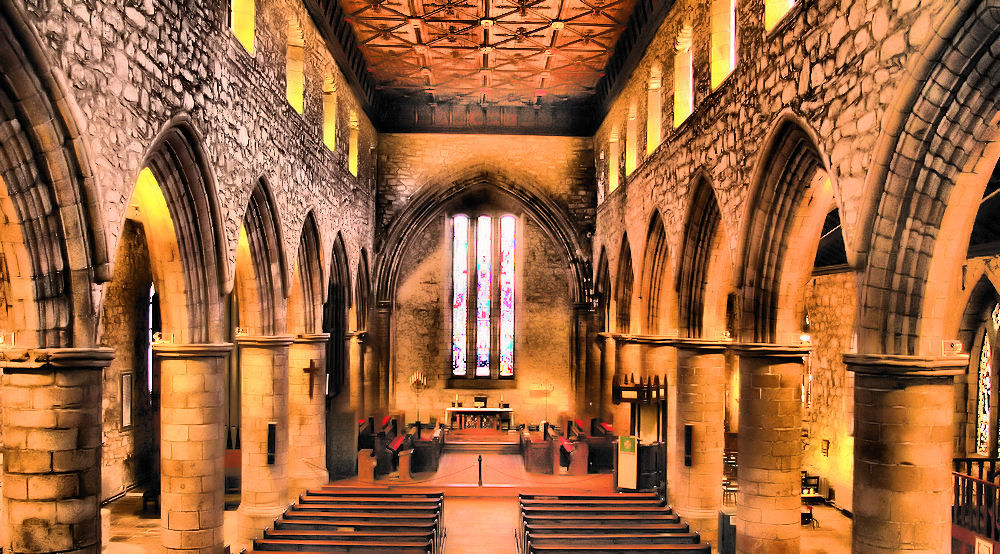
477	418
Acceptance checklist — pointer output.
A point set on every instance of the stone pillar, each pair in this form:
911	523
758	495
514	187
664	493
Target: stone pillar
903	412
356	373
582	315
307	413
770	451
592	405
192	445
385	385
607	375
52	447
370	386
701	391
344	414
264	374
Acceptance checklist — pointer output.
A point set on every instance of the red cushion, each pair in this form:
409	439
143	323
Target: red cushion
606	427
396	443
566	445
361	421
578	423
385	421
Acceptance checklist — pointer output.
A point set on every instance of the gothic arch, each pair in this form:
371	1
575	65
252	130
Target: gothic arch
788	166
702	224
335	314
951	98
431	199
188	186
655	290
306	298
624	281
602	291
48	192
362	292
263	286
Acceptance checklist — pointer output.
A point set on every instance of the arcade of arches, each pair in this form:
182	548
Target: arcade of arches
223	242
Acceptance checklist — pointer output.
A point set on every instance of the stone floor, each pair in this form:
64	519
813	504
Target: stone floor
477	519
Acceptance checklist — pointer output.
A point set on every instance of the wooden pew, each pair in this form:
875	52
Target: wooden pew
638	522
358	519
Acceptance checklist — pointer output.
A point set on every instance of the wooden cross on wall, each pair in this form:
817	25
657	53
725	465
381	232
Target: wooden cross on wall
312	370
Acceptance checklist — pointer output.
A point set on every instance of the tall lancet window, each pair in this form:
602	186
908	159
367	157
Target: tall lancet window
983	398
484	274
507	230
476	325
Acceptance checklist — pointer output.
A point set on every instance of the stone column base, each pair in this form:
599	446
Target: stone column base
251	521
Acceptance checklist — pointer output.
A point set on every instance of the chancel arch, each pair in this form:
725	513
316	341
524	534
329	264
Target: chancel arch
464	248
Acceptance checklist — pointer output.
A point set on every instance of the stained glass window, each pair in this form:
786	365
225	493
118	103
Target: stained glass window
460	279
479	292
484	292
983	398
507	226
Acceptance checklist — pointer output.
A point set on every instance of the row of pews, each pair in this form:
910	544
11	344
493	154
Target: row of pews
577	453
384	449
615	522
339	519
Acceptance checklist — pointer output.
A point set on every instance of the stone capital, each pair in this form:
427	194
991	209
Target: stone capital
265	341
766	350
182	351
48	359
311	338
895	365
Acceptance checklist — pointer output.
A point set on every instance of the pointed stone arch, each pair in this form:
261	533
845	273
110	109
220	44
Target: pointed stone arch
306	298
624	283
335	314
702	226
788	166
362	293
602	291
433	198
657	297
48	195
177	162
261	277
950	98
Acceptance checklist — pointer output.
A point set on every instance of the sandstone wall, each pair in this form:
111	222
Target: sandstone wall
133	66
421	334
831	303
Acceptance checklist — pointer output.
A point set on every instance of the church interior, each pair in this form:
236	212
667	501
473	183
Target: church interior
500	276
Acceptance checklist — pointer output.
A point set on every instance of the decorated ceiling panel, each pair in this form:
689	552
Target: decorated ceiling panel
487	52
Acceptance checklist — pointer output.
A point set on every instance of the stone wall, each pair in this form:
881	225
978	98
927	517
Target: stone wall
421	334
124	455
559	167
831	302
134	66
830	66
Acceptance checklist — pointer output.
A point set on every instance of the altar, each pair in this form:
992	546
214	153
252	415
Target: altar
477	418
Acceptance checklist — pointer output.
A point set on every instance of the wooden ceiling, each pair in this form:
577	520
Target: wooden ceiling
487	52
536	66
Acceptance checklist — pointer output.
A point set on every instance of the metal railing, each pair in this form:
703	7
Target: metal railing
976	504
